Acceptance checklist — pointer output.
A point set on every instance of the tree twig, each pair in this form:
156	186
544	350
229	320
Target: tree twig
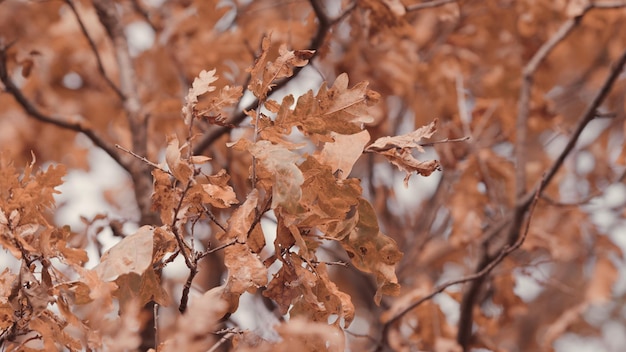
587	116
211	216
428	5
144	159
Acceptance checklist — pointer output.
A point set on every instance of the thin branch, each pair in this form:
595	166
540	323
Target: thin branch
259	214
513	221
83	29
524	199
316	42
218	248
445	140
211	216
587	116
155	312
524	98
184	299
144	13
428	5
144	159
223	340
31	110
525	91
182	245
502	254
586	199
337	262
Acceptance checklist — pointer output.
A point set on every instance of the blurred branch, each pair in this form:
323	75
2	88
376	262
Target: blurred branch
511	224
503	253
586	199
144	13
325	23
93	47
31	110
428	5
587	116
527	80
137	121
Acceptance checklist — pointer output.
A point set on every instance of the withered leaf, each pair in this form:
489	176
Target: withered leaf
264	74
181	169
373	252
398	151
133	254
344	151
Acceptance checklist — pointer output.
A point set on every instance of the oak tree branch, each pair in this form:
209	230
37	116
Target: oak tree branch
35	113
324	26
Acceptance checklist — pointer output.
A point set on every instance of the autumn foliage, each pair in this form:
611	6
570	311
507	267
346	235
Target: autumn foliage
314	175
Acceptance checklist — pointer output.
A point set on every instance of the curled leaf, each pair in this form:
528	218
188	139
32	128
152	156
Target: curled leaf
398	151
181	169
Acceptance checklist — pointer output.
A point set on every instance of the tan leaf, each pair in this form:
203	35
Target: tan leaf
246	272
240	222
220	196
398	151
195	329
165	197
201	85
409	140
199	159
303	335
181	169
133	254
371	251
341	154
282	67
286	176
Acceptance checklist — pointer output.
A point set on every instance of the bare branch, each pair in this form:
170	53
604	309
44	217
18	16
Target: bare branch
144	159
428	5
211	216
525	90
587	116
222	341
184	299
218	248
502	254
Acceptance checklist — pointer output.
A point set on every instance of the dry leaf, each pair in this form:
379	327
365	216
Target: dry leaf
133	254
180	168
341	154
398	151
